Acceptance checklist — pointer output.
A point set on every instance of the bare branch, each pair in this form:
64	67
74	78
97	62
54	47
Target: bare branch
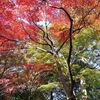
31	37
48	37
44	50
45	34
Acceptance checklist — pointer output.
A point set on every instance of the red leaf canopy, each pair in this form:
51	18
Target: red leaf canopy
19	18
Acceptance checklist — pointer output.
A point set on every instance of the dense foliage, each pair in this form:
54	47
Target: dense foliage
49	49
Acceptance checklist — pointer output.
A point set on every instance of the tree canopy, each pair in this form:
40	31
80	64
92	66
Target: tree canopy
46	44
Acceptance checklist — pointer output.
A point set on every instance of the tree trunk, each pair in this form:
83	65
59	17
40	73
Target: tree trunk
66	85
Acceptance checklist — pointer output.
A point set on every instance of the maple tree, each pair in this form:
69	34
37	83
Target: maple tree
16	73
49	23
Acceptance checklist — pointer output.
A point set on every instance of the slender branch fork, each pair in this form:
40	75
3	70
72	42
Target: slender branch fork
45	33
70	49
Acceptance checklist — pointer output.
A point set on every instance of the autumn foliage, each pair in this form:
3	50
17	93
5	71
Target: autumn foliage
18	18
43	22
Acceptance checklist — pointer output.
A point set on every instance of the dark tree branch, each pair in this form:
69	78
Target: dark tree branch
70	52
61	8
45	34
87	13
9	39
36	41
31	37
48	36
78	29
